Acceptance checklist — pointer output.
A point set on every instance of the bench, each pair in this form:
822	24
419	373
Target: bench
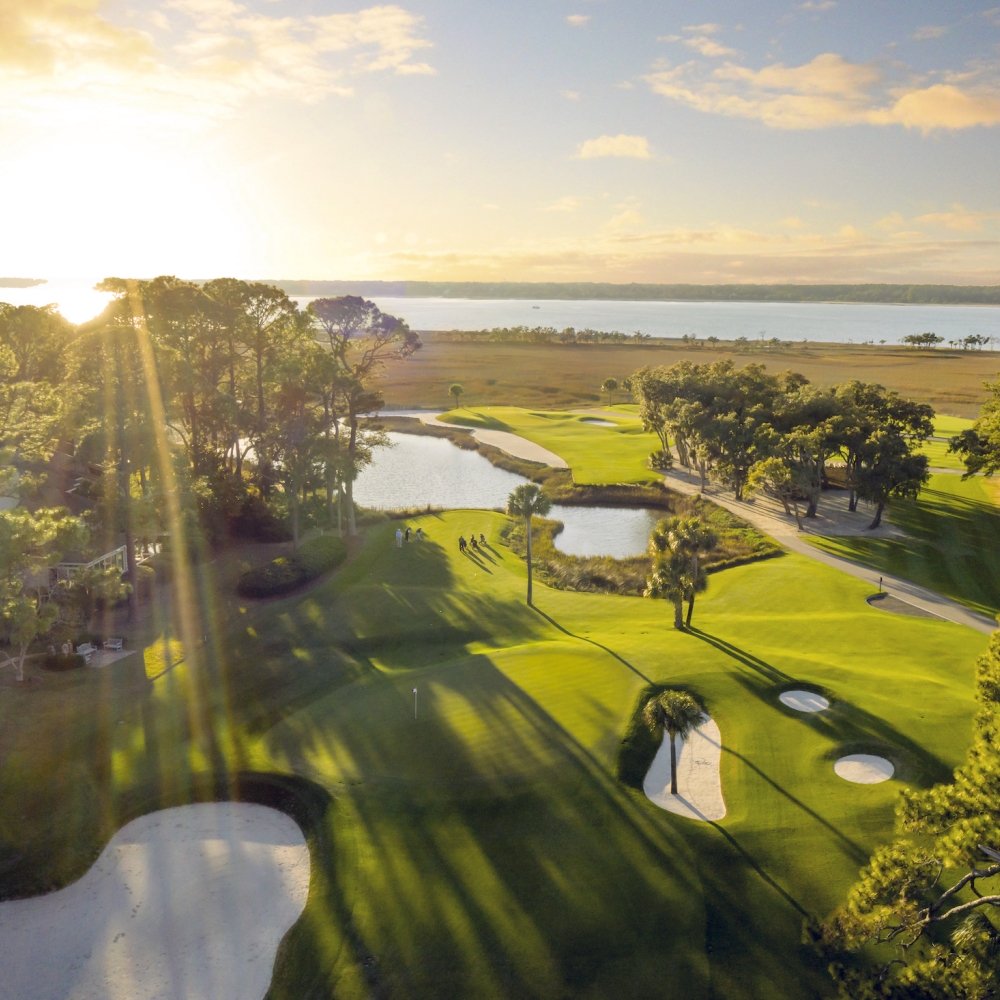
86	650
115	644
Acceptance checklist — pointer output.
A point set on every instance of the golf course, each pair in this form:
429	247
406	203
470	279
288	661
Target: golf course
490	847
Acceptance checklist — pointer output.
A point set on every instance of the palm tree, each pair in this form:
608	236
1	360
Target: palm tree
669	581
691	536
677	713
456	390
525	501
609	385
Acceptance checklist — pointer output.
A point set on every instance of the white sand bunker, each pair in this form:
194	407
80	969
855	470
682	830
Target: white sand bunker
864	768
804	701
597	422
186	902
699	786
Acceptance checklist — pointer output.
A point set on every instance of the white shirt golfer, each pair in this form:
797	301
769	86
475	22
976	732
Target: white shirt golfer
399	538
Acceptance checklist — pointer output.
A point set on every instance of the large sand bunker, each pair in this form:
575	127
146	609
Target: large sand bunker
186	902
804	701
864	768
699	785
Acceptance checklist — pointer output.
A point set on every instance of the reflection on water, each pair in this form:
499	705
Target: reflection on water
604	531
421	471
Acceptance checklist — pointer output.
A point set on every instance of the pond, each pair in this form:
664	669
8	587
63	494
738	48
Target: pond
418	471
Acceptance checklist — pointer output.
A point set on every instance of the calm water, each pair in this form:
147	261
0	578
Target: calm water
837	322
834	322
419	471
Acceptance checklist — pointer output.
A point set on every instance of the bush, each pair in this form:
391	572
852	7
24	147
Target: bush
285	574
59	662
257	522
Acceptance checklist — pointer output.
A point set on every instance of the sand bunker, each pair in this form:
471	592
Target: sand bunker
804	701
699	786
864	768
186	902
597	422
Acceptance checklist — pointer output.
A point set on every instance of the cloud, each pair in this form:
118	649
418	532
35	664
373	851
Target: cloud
202	60
959	218
818	5
831	91
570	95
793	222
565	204
578	20
708	47
703	29
929	32
634	146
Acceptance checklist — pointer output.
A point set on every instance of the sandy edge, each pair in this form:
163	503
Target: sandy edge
699	782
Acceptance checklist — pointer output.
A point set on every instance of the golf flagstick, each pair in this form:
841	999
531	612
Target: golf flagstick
414	703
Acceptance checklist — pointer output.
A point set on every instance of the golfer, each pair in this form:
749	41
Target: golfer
399	538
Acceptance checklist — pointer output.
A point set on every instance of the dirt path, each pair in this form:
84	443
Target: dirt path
512	444
833	519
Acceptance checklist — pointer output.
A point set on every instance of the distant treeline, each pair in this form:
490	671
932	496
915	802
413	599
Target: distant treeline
912	294
550	335
21	282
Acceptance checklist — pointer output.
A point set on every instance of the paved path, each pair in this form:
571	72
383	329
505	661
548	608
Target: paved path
512	444
834	520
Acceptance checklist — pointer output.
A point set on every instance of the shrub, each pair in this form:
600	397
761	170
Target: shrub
59	662
285	574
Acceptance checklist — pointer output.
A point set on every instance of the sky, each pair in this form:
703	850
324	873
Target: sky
529	140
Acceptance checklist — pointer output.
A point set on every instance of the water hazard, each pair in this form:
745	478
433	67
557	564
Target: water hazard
420	471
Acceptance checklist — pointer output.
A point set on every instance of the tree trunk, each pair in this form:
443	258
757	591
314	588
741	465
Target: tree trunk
673	762
528	523
798	519
340	506
295	520
352	528
878	516
679	613
690	609
20	661
852	505
130	565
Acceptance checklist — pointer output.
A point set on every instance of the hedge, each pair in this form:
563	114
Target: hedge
319	556
60	661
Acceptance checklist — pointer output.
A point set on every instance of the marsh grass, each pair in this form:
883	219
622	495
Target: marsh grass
739	543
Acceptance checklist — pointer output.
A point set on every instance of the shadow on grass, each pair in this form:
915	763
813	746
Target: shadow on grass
847	727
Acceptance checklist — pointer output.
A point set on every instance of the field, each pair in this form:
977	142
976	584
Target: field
595	454
552	376
488	849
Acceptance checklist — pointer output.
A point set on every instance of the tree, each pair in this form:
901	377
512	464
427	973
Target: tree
29	545
455	390
889	469
776	478
677	714
609	385
929	340
669	581
690	536
941	873
980	445
527	501
362	339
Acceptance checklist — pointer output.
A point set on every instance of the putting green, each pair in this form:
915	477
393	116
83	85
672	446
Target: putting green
486	849
596	454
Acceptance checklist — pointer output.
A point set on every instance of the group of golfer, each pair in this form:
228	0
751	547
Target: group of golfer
404	536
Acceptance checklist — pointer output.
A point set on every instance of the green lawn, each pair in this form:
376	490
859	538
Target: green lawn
953	543
596	454
487	849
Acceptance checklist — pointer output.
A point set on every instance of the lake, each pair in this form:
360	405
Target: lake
418	471
831	322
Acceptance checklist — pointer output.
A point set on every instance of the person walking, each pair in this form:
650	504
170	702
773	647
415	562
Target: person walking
482	538
399	538
461	543
420	534
407	535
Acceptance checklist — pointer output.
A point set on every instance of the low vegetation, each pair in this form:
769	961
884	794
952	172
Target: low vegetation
286	573
738	543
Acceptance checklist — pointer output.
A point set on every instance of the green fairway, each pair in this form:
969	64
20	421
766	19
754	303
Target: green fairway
596	454
486	849
953	543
